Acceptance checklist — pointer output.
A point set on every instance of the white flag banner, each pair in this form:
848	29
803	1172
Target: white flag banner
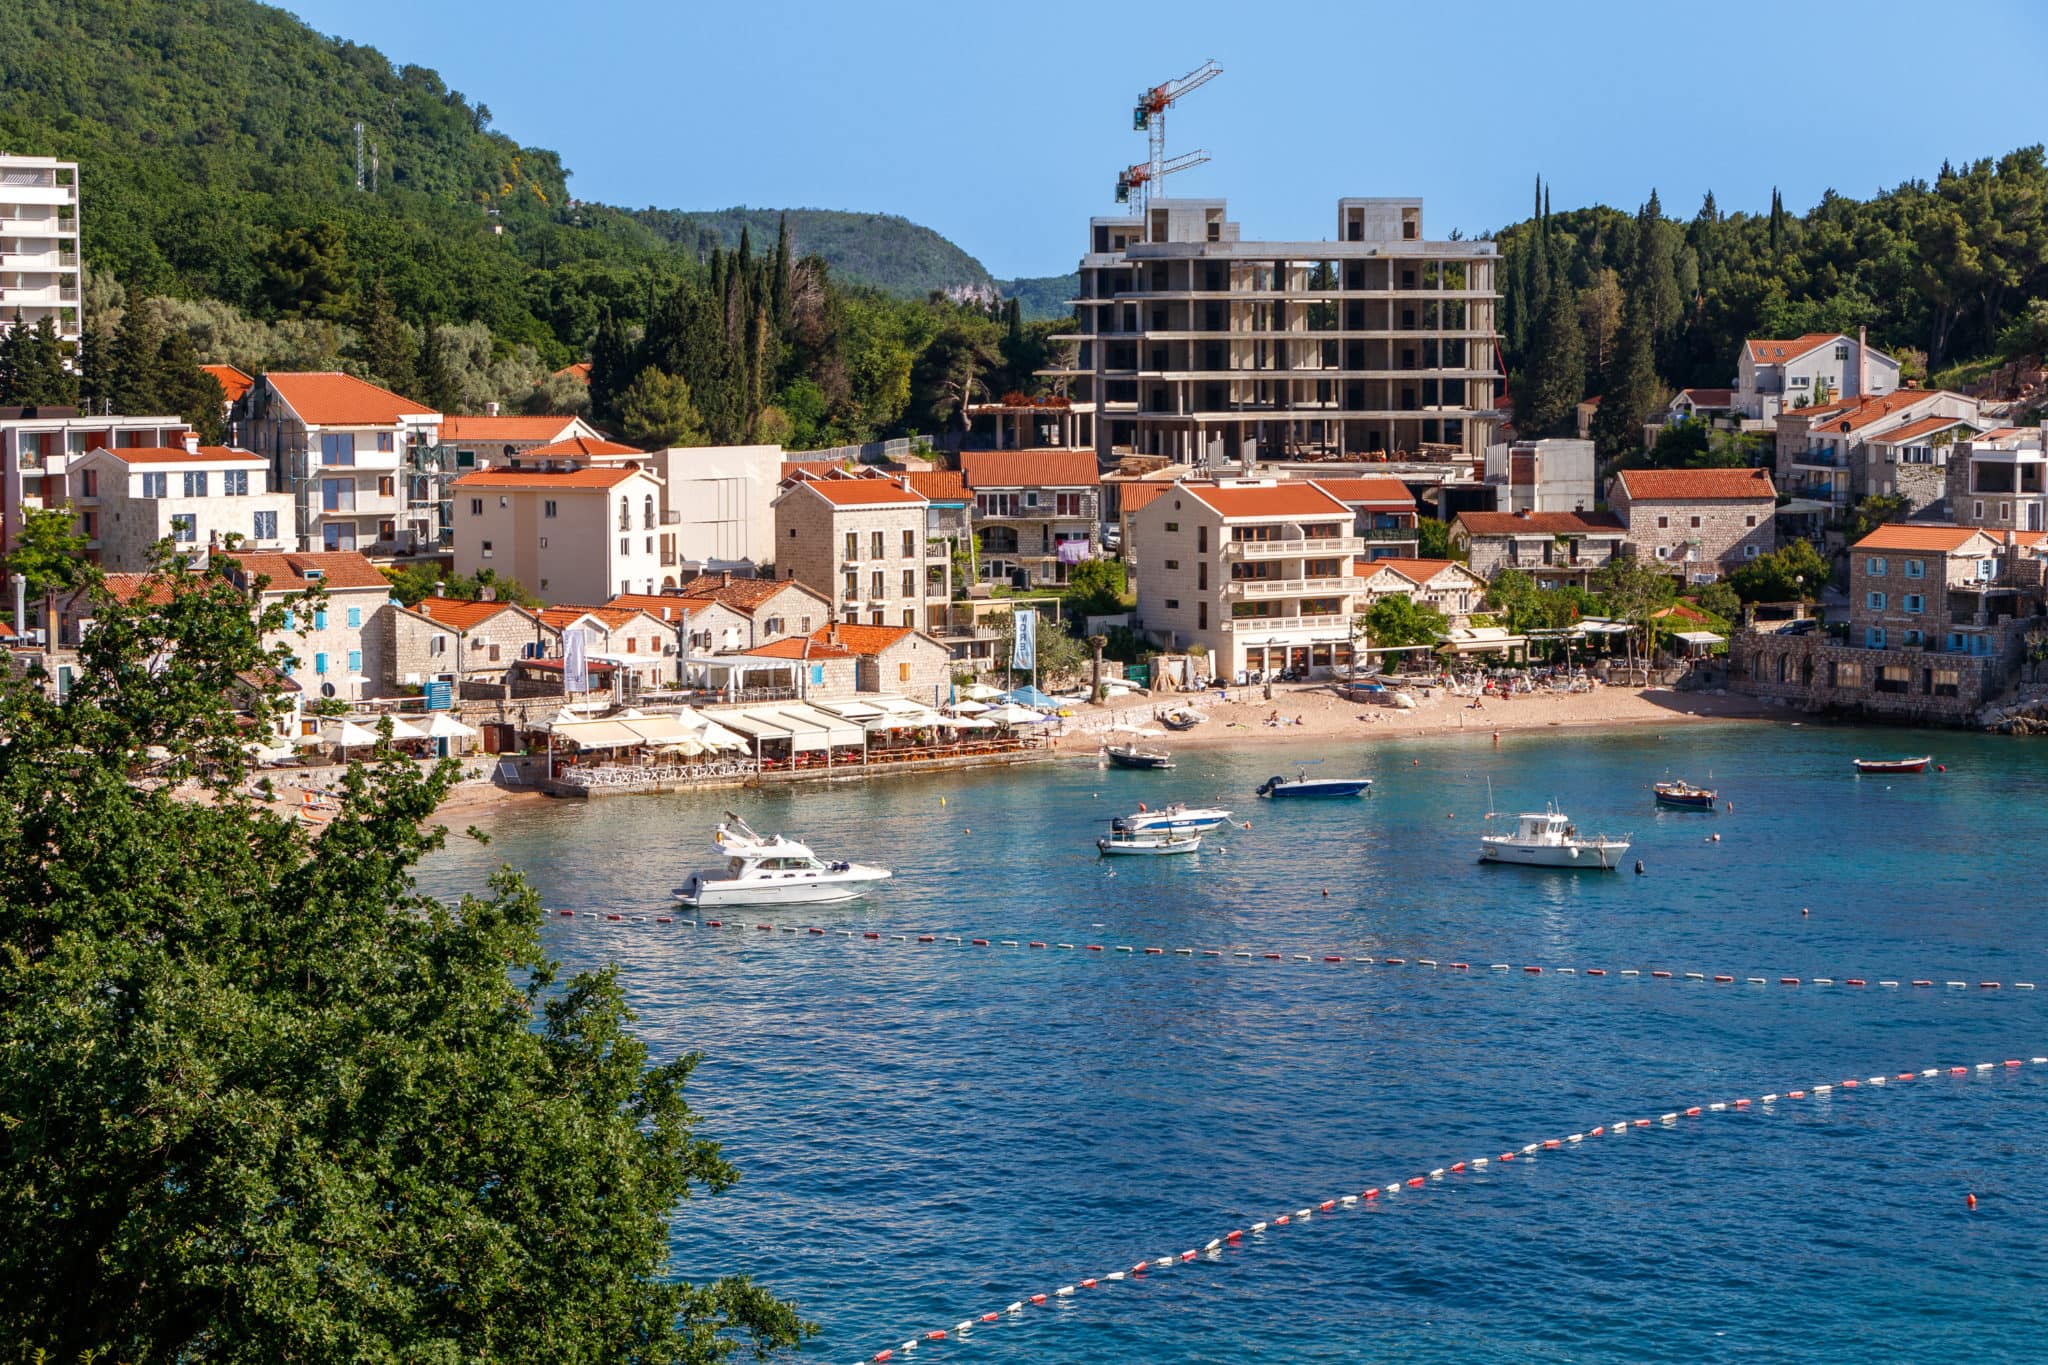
1024	645
575	661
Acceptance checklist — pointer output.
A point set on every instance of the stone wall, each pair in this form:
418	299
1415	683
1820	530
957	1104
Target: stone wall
1702	536
1907	685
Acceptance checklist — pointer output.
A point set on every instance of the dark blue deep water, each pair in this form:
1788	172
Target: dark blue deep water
928	1132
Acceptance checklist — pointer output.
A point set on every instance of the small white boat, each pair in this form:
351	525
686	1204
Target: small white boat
1156	845
1178	816
1549	839
773	871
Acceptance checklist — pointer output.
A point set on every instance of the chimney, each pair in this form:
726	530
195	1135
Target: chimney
725	578
490	409
1862	369
191	443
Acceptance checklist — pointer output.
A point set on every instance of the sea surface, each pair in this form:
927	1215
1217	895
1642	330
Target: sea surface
932	1131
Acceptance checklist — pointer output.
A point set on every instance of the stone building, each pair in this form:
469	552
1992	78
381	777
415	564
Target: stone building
860	541
200	498
894	659
1444	584
1698	523
1773	376
1836	454
1996	480
1557	549
446	639
566	532
1383	514
626	637
1035	512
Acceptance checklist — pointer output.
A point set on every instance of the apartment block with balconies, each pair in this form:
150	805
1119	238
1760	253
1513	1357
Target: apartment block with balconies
39	270
860	540
1037	513
1204	348
358	460
202	499
38	446
1256	572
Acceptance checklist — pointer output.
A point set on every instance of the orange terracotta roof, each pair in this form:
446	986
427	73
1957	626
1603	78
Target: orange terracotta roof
504	428
611	618
331	568
6	631
798	647
233	382
579	371
1136	495
1420	570
550	480
1696	485
862	492
180	455
667	606
327	398
860	639
130	588
581	448
1030	469
460	613
791	468
1857	413
742	593
1268	500
1710	398
1779	352
940	485
1538	523
1925	426
1933	539
1381	491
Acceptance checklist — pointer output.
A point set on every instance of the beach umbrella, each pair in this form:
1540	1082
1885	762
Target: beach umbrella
1009	713
967	723
445	726
967	708
1028	695
347	735
402	728
980	692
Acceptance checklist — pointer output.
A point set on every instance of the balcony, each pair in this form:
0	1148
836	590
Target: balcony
1382	535
1819	459
1292	549
1256	625
39	227
1284	587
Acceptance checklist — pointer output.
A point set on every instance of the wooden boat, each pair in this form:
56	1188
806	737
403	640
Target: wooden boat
1894	765
1682	795
1131	756
1157	845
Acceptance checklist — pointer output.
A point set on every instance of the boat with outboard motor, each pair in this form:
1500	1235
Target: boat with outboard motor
1157	844
1682	795
1131	756
1306	786
773	871
1178	816
1548	838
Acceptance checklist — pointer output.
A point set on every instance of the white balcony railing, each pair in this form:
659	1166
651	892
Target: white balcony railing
1283	549
1252	625
1284	587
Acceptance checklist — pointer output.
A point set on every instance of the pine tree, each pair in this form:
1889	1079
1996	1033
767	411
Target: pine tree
12	341
1556	373
131	368
190	392
42	378
610	358
386	347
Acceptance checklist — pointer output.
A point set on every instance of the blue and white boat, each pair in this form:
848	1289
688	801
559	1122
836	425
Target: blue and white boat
1304	785
1178	817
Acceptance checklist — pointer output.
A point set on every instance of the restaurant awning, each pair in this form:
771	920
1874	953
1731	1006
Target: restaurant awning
838	731
598	734
1700	637
754	727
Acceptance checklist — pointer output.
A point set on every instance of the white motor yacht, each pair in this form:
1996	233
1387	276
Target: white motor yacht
1179	817
773	871
1549	839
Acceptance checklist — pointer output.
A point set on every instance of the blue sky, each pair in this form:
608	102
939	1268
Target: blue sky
1004	126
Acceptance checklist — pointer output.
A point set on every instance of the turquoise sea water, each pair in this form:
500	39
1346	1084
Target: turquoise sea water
928	1132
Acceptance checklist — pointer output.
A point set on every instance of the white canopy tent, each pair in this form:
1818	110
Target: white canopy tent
1009	713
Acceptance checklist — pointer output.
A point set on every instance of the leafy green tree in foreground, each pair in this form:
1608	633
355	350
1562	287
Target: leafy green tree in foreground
1395	621
260	1100
48	551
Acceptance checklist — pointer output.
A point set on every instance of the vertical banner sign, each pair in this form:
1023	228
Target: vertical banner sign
575	663
1024	645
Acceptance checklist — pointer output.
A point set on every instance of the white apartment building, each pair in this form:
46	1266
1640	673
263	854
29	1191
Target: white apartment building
39	271
565	532
1820	367
38	446
1257	572
197	497
356	460
1204	348
1552	475
1999	481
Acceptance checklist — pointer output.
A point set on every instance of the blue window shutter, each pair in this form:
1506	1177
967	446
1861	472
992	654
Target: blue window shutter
319	663
355	661
355	618
817	675
291	620
320	618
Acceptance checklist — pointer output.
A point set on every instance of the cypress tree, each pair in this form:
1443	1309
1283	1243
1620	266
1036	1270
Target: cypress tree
40	376
1777	219
11	344
434	379
190	392
386	346
1538	296
131	369
1556	377
778	278
611	367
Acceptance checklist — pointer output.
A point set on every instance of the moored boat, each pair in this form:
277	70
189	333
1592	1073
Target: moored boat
1549	839
1683	795
1158	844
1893	765
1178	816
773	871
1181	718
1131	756
1306	786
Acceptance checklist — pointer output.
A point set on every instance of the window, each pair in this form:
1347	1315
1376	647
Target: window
1874	601
852	546
875	545
1848	675
2004	511
235	483
1916	568
319	618
1842	351
1202	615
1874	566
625	548
355	661
291	620
1912	603
266	526
89	483
386	441
1663	552
494	653
1201	539
476	507
320	663
1173	604
549	508
338	495
910	582
625	515
1945	682
632	645
1976	511
1173	563
355	618
387	487
1173	526
195	483
438	645
1873	637
486	547
903	670
1914	639
852	593
1894	678
1987	569
337	447
1663	523
1749	551
1749	520
910	618
875	617
184	528
1070	504
878	585
1695	523
910	545
543	542
647	515
156	485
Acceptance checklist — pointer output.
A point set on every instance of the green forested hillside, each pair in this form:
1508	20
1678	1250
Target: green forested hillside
1043	296
889	253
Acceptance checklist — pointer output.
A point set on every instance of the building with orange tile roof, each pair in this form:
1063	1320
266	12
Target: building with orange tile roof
1999	480
1839	453
1697	523
480	442
1036	513
233	383
39	445
862	541
630	637
894	660
1774	376
200	498
1556	549
456	640
352	457
1383	513
1256	572
570	533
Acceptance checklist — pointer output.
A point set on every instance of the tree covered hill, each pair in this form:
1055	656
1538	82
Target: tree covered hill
881	250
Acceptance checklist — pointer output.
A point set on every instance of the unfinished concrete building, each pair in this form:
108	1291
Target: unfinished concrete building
1207	349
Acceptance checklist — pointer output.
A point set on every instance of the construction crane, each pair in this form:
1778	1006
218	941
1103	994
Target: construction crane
1148	115
1142	176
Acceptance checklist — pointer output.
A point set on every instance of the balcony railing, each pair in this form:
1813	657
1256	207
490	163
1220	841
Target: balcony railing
1284	549
1255	624
1284	587
1383	534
